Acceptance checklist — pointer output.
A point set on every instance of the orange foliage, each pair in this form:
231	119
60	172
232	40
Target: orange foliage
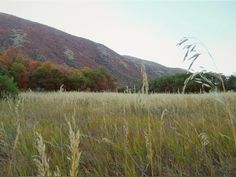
22	69
33	65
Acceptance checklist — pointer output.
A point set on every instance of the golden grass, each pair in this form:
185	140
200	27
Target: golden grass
42	161
118	134
74	137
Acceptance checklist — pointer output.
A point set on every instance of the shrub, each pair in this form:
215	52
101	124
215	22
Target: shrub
46	77
7	87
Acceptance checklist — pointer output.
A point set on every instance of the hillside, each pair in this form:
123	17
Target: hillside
41	43
153	69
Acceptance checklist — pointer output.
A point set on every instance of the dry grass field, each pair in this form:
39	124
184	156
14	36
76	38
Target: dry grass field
111	134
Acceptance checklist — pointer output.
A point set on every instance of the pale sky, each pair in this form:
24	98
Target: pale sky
144	29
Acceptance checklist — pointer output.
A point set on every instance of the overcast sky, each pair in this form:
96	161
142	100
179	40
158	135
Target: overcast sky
145	29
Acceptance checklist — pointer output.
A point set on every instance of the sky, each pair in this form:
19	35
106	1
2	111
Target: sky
147	29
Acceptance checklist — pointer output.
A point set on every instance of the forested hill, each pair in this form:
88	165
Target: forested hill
42	43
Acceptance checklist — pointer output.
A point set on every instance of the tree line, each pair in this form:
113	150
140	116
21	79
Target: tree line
27	73
175	83
18	72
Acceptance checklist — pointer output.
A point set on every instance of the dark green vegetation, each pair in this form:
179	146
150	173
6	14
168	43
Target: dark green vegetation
175	83
121	134
7	87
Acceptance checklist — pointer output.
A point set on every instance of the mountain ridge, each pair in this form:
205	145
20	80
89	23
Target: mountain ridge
42	42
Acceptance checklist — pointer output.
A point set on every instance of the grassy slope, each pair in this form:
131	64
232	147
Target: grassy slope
122	134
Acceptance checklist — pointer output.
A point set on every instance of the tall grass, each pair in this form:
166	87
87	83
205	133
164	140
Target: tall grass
119	134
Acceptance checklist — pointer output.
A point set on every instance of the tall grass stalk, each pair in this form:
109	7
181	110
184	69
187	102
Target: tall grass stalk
193	51
126	142
148	142
74	137
41	160
12	154
145	87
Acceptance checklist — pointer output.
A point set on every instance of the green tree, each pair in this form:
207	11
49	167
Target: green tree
75	82
46	77
231	83
7	87
16	70
4	70
98	79
175	84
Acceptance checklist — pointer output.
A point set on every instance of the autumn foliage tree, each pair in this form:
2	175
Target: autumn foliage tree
88	79
46	76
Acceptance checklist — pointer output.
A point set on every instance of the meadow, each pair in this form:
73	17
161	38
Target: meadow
118	134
